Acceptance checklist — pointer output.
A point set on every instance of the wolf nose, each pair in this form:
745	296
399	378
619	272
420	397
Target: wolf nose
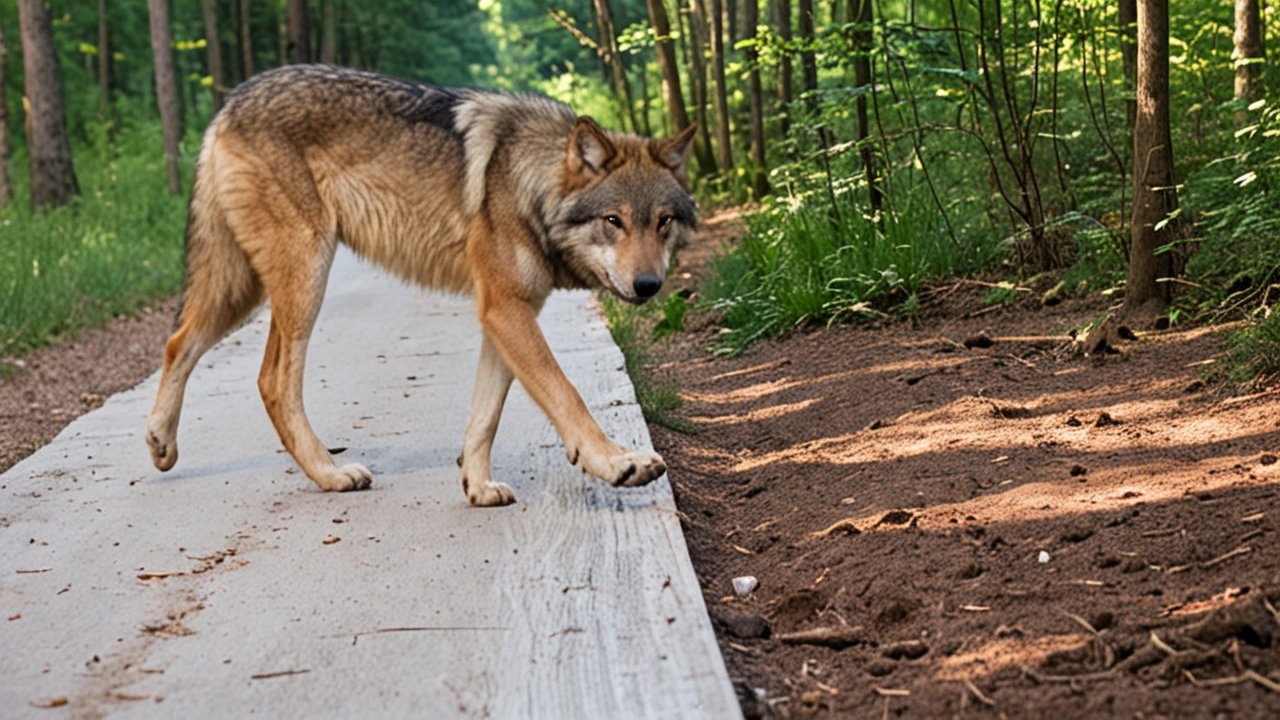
647	285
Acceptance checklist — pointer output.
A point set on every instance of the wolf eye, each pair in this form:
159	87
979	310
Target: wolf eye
613	220
664	221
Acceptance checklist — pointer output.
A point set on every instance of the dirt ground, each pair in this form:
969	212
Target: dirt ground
936	530
1005	531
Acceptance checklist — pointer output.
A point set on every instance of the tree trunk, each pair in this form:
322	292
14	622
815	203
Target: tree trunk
1154	196
329	32
808	59
672	94
785	74
53	178
609	44
721	93
104	60
166	88
697	38
1249	54
246	38
214	48
299	47
6	186
1128	18
760	171
861	13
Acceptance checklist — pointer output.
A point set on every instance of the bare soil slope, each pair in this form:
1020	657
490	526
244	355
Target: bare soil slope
1002	531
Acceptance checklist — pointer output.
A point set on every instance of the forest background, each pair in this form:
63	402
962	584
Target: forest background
1077	146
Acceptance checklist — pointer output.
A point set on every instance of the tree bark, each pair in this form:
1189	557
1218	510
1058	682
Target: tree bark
214	51
328	32
808	59
786	94
246	38
760	171
1248	54
1128	19
6	185
672	94
609	44
698	41
104	60
53	178
166	89
721	93
861	13
1154	196
299	47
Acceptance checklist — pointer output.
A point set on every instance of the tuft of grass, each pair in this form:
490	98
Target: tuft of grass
114	249
658	401
1254	351
801	263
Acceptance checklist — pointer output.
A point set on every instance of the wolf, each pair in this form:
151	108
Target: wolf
504	196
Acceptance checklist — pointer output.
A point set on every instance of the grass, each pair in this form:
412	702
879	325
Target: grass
113	250
630	327
802	263
1254	351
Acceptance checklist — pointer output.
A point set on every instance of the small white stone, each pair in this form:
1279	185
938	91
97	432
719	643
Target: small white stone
1044	557
744	585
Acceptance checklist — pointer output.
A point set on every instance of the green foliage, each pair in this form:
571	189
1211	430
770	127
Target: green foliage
115	249
658	401
1254	352
805	262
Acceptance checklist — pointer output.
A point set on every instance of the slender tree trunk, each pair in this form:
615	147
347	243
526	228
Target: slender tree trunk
861	12
1128	18
329	32
808	59
6	186
299	42
246	38
53	178
698	40
721	93
672	94
609	43
1249	54
213	45
760	171
785	74
1154	196
104	60
731	17
166	88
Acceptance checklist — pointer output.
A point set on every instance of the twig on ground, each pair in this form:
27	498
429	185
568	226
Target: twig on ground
1242	550
978	694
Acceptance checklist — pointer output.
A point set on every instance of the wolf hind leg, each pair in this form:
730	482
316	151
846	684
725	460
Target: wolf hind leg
221	290
493	380
295	303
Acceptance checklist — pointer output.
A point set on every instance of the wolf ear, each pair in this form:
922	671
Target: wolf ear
674	152
589	147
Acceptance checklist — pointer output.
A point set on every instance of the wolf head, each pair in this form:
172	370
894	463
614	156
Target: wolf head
626	206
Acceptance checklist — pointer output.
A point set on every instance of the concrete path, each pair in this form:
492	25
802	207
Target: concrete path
231	586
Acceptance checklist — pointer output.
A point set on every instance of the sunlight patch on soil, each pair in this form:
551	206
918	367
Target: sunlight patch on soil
1001	653
765	413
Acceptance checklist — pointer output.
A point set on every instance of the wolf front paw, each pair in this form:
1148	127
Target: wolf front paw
634	468
347	477
488	494
164	452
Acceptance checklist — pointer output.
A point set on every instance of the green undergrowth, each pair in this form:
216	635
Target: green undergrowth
114	249
807	263
1254	351
635	329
